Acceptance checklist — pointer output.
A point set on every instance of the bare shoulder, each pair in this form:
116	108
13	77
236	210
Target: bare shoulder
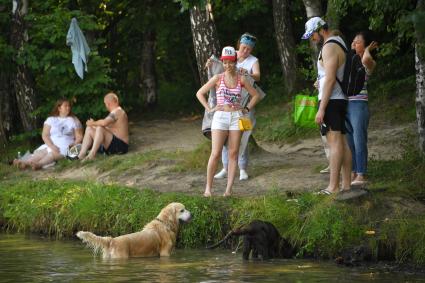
333	54
121	113
331	49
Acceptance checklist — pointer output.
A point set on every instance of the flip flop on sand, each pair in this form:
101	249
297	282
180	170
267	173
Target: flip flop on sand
323	192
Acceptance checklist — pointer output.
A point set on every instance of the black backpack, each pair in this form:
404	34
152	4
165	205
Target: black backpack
354	72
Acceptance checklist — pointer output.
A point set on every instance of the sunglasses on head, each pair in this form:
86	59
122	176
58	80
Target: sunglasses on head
249	37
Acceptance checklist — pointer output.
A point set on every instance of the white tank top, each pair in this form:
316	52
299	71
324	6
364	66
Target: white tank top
247	63
336	91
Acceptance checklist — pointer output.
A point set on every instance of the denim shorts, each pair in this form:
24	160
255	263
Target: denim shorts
228	121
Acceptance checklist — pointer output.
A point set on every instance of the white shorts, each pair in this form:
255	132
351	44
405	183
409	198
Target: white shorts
228	121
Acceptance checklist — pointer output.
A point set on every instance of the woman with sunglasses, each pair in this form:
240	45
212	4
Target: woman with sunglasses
225	123
248	65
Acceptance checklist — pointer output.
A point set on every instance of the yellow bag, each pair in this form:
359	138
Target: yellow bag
245	124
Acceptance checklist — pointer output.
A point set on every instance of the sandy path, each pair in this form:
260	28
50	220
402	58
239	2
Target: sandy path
288	167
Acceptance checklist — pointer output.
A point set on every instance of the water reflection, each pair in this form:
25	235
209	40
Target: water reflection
35	259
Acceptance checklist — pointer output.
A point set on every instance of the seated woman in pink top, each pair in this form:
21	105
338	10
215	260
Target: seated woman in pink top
225	124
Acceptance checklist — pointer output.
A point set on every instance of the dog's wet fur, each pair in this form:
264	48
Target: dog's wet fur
262	240
157	238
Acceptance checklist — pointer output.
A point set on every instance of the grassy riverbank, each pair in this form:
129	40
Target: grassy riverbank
320	226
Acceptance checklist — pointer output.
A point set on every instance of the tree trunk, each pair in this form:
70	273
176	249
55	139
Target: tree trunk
285	43
22	81
420	76
148	75
205	38
333	16
5	108
313	8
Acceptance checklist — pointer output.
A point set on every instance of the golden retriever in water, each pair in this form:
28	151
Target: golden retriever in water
157	238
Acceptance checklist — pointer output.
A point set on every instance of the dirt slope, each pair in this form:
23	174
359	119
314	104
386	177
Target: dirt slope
292	167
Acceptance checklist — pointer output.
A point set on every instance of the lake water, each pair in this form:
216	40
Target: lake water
36	259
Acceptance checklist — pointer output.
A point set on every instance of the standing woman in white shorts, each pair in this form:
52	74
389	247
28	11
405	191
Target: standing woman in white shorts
225	124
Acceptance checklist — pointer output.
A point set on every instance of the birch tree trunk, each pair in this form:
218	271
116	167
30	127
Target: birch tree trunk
313	8
22	81
148	74
205	38
420	76
285	43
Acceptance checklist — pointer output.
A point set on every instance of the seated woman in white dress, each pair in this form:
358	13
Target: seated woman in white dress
61	130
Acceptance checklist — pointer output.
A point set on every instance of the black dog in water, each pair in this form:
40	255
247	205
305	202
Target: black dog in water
262	239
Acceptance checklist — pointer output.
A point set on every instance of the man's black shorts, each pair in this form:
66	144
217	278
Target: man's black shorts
117	146
335	113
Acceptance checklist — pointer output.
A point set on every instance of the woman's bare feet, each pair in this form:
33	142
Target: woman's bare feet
207	193
35	166
227	194
87	158
20	164
360	180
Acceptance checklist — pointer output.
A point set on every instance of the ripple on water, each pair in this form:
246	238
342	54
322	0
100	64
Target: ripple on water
37	259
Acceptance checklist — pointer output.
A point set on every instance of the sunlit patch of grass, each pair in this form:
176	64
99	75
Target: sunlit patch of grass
275	124
194	160
122	163
117	164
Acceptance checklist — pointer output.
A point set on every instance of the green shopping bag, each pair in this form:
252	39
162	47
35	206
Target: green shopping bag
305	109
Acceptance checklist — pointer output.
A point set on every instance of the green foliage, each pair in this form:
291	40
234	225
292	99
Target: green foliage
50	60
115	31
390	19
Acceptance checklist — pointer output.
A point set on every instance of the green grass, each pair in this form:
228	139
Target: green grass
124	163
275	124
317	225
195	160
401	177
275	121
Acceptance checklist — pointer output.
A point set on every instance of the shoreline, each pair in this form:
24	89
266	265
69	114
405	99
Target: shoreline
319	226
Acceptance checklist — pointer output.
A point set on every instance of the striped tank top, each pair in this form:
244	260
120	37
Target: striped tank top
229	96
